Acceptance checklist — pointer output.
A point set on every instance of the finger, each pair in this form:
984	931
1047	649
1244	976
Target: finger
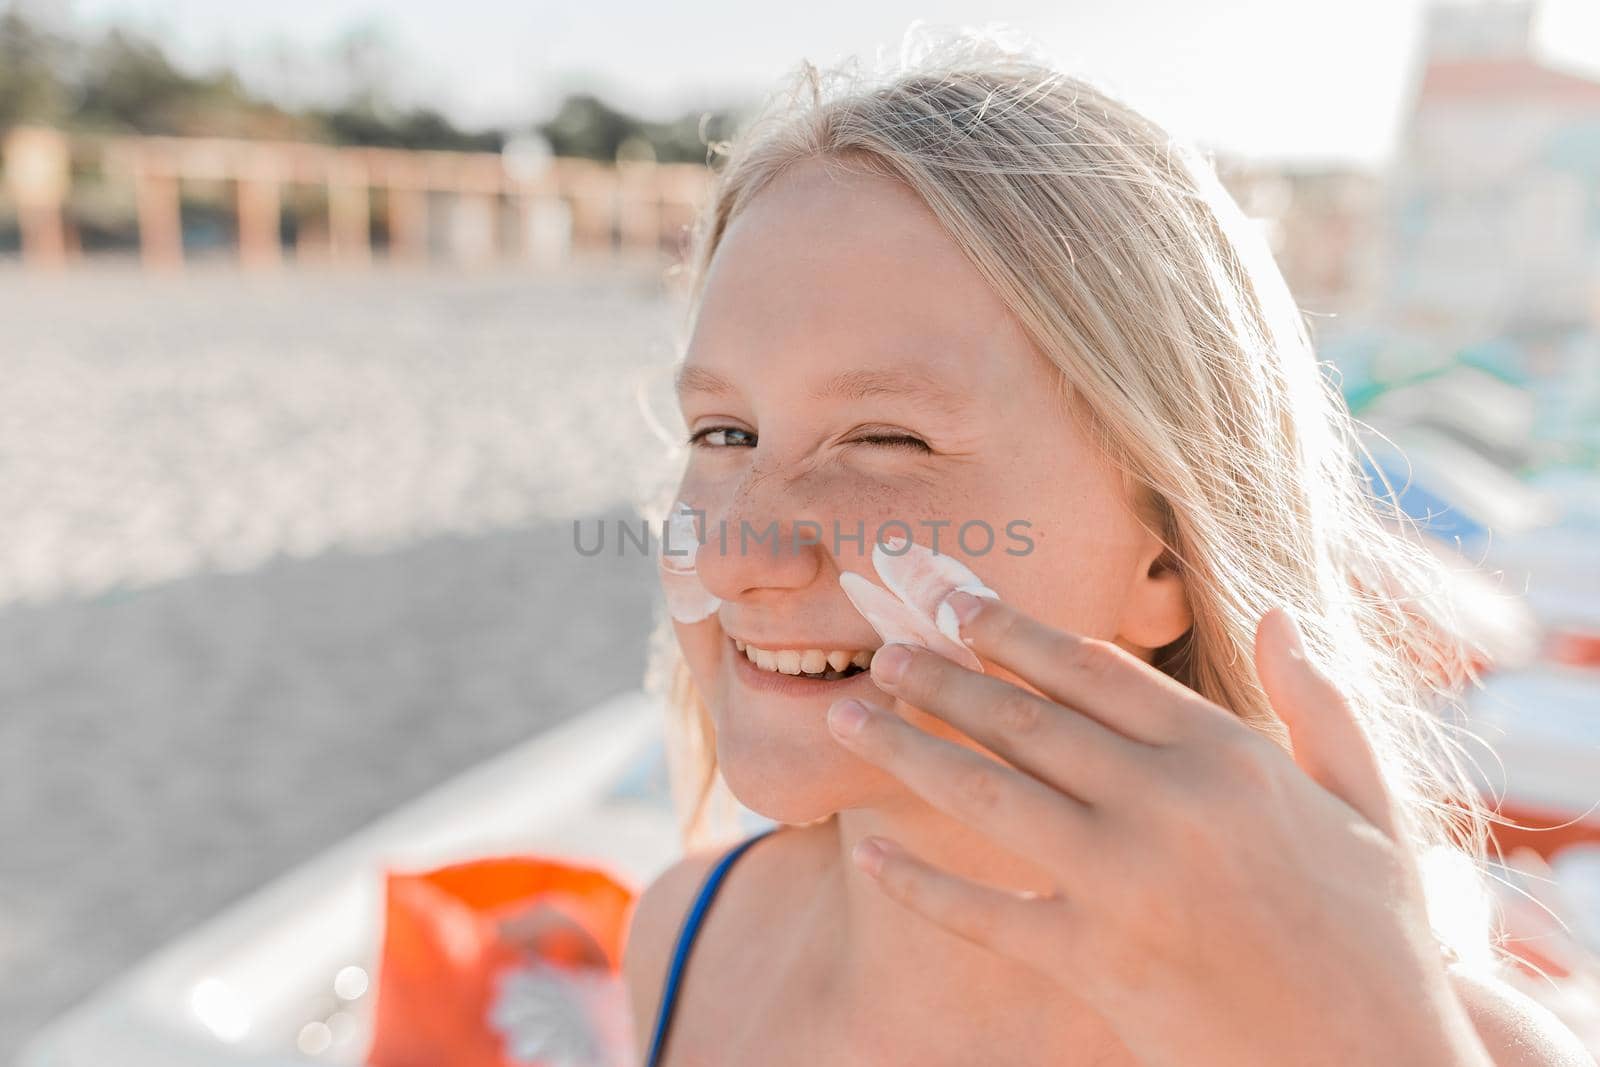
1055	744
1096	677
1328	741
896	622
1019	813
1000	920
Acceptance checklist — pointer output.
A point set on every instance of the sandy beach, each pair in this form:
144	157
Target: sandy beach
279	553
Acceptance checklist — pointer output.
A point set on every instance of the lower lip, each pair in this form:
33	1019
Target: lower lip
754	677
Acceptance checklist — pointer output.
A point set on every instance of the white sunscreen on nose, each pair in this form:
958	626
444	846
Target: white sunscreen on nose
688	600
911	610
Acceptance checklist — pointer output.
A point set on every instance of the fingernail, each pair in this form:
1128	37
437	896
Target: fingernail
964	604
847	716
868	855
889	662
954	612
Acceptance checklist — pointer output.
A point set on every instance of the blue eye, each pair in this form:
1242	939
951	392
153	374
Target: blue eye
722	437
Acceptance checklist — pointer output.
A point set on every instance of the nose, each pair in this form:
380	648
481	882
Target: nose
763	539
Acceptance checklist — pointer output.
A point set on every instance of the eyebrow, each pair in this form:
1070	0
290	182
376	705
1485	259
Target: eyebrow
690	379
851	385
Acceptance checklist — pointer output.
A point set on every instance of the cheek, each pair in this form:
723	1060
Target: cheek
1079	574
701	644
1082	551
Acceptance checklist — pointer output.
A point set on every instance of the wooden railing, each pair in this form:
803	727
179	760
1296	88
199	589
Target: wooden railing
463	207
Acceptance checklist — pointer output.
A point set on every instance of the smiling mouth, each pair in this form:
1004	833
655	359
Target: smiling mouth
828	665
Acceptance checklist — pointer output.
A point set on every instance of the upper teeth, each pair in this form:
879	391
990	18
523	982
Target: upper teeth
802	660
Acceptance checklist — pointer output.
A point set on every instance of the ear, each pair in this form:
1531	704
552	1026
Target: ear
1157	611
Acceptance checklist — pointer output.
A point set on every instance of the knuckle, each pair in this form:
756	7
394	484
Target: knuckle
978	789
903	884
1220	788
1001	628
1193	831
880	734
1017	713
923	672
1091	657
1119	963
1178	774
981	923
1246	760
1051	935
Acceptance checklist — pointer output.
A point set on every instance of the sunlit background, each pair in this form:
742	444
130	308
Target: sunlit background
320	323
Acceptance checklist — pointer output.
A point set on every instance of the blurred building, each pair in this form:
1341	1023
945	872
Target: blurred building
1493	206
1486	225
1322	224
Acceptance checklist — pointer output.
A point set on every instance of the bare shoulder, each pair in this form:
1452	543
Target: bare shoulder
652	930
1517	1030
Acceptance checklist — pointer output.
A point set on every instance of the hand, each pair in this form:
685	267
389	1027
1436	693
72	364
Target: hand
1218	899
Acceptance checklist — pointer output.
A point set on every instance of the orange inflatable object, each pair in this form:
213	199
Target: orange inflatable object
502	962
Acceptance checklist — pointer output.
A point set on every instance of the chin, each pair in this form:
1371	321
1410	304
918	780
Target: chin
780	760
795	787
773	746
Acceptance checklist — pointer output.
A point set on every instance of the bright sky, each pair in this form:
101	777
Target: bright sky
1279	79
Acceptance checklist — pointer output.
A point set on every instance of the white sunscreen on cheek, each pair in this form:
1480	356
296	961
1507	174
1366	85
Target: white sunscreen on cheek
911	609
688	600
923	578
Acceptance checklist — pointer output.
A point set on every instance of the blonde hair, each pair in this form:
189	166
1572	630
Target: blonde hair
1176	337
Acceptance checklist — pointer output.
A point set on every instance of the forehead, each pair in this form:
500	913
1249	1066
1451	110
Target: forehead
835	264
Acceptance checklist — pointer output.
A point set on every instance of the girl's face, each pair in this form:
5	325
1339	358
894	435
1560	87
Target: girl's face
850	372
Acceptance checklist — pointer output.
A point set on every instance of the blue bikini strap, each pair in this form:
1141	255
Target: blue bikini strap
686	937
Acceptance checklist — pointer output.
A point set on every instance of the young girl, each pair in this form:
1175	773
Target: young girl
1160	796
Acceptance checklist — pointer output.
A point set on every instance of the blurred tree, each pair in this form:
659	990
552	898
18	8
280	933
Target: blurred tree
121	81
31	62
584	125
688	138
361	123
129	84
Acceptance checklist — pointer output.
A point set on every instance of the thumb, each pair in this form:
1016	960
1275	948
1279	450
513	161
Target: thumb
1328	741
